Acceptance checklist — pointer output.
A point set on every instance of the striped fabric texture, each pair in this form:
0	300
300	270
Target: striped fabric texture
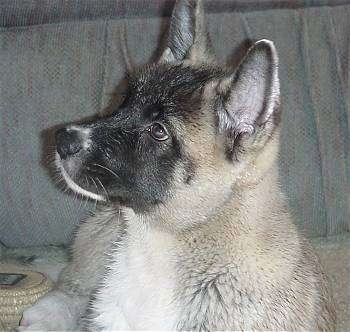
59	65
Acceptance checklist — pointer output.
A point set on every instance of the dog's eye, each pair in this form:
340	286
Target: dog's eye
158	132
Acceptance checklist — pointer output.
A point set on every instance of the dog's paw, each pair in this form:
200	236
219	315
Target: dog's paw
51	313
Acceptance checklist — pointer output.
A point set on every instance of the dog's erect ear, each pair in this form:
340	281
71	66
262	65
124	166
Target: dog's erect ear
249	98
188	37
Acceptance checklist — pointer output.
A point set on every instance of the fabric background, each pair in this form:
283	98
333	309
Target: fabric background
61	62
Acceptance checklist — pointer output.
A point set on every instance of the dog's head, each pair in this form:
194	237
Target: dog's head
187	130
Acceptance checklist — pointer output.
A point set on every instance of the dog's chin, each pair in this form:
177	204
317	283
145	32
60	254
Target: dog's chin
73	185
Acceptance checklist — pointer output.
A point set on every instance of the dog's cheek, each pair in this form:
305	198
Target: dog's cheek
159	174
188	171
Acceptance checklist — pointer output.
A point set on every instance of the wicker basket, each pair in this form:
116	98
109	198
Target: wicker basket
14	299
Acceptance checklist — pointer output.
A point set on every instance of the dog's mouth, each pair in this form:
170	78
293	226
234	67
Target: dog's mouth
73	185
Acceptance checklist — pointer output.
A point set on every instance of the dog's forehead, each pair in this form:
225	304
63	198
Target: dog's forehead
165	87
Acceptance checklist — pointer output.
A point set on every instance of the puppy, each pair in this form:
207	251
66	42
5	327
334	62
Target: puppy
194	233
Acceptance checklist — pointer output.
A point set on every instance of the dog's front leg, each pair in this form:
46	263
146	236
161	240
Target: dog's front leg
55	311
61	309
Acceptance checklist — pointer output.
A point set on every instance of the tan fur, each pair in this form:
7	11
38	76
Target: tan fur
222	252
246	248
237	261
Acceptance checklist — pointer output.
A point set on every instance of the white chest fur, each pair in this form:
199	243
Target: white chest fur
138	291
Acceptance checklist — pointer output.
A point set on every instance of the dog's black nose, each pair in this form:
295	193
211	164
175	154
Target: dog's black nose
68	142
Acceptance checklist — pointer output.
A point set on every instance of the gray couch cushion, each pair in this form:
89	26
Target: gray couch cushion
34	12
61	72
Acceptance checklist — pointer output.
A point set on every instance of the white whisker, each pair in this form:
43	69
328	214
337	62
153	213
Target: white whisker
103	187
94	182
107	169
